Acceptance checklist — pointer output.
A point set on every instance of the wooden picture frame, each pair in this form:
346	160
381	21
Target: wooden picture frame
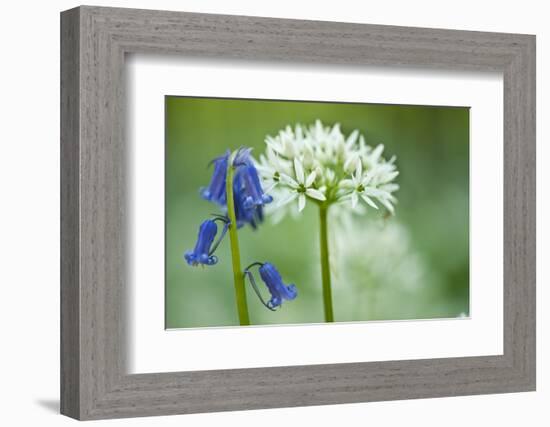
94	382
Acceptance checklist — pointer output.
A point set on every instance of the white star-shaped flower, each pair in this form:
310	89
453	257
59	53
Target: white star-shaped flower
271	166
360	188
301	186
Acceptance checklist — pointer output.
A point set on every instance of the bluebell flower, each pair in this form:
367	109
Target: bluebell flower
215	192
205	247
251	215
243	157
254	194
248	194
245	211
278	290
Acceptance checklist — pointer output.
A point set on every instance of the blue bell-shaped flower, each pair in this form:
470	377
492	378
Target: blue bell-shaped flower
279	291
203	252
215	192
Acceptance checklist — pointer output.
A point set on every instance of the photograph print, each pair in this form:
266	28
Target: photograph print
297	212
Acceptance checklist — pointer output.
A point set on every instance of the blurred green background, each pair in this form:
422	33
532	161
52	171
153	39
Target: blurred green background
414	265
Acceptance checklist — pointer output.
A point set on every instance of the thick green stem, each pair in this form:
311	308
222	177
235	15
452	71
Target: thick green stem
325	264
238	277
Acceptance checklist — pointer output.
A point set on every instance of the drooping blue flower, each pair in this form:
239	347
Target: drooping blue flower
254	194
215	192
203	252
248	194
278	290
245	212
243	157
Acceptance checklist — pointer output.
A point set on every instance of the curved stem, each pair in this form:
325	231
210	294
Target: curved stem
238	276
219	239
325	263
248	273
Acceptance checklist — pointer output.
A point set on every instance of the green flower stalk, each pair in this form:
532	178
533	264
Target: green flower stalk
238	276
236	188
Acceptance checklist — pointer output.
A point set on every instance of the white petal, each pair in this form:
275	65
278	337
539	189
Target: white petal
387	204
298	168
315	194
274	145
363	147
308	157
301	202
375	192
354	199
310	179
335	130
343	197
359	170
329	175
389	177
289	181
287	199
299	132
390	188
271	187
319	127
351	162
347	183
352	138
367	180
369	201
377	152
264	167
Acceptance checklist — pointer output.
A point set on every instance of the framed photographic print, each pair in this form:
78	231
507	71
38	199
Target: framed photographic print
261	213
307	188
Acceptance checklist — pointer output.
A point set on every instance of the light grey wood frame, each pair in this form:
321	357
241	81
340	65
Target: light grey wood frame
94	382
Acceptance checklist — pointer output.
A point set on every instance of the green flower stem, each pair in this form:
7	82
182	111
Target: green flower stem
238	276
325	263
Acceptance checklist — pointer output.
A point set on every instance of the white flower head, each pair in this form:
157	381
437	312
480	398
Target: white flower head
301	186
271	167
359	186
389	266
320	163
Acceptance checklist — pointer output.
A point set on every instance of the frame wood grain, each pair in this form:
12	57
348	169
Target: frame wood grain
94	381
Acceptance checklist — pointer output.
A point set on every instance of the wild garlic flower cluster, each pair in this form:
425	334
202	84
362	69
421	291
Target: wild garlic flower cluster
320	164
389	261
375	264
